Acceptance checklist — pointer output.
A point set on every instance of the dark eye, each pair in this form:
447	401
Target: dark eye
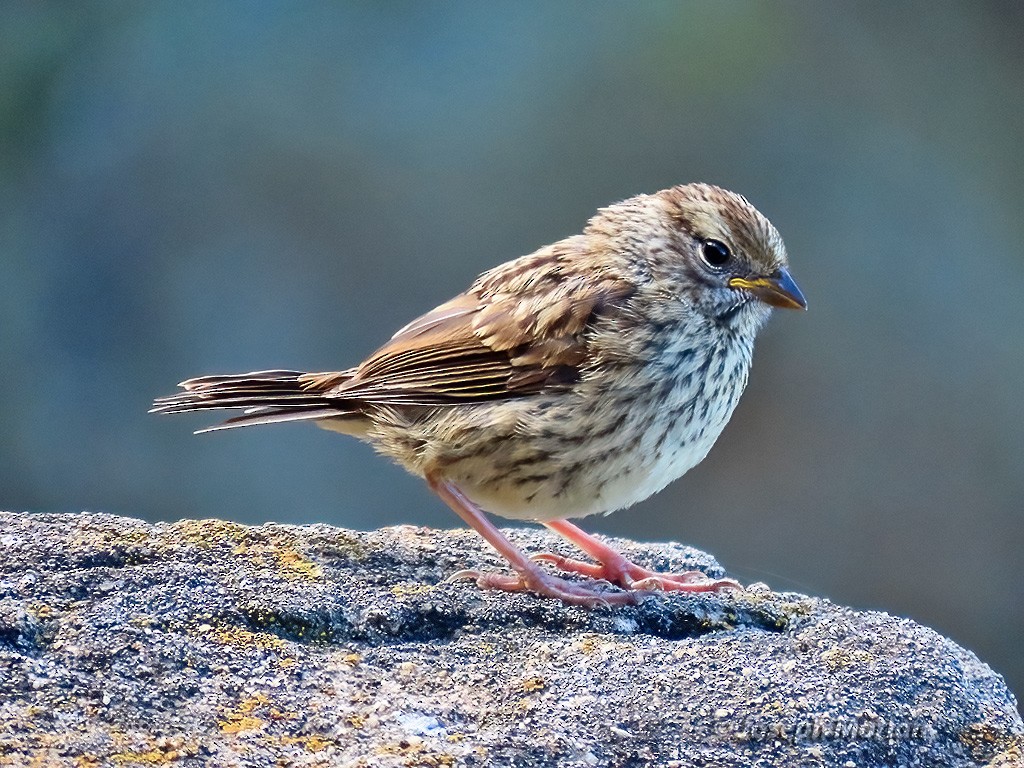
715	253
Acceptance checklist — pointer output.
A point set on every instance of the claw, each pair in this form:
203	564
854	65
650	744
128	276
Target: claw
691	581
466	574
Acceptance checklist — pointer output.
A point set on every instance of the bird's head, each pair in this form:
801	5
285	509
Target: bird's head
708	247
730	253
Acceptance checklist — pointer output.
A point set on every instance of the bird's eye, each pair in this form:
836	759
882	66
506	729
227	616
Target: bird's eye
715	253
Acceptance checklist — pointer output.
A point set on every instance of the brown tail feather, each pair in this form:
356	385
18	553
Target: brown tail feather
275	416
268	397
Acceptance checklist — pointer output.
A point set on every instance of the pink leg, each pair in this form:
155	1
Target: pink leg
612	566
530	576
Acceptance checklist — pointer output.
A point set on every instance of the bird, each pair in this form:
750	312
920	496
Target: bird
577	380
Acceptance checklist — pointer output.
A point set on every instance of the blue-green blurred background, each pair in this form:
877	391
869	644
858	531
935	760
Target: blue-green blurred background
200	188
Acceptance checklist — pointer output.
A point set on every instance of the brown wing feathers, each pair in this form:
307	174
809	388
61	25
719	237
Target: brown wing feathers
519	329
486	344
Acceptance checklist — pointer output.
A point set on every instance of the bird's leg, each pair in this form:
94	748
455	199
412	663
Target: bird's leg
614	567
529	575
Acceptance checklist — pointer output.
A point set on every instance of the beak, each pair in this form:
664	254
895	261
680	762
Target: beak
779	290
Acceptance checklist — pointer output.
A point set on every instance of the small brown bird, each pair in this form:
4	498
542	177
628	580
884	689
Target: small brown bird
577	380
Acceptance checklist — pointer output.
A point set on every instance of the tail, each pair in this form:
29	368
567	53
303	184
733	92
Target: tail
268	397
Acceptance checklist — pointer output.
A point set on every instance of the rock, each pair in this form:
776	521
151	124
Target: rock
206	643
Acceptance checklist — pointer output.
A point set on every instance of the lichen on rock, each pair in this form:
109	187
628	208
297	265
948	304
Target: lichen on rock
206	643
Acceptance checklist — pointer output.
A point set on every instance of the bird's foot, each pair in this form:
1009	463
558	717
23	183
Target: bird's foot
545	584
617	570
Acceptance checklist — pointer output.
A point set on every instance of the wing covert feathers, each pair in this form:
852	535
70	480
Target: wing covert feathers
520	329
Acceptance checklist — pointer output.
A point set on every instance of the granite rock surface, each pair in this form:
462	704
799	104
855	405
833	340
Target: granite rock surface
207	643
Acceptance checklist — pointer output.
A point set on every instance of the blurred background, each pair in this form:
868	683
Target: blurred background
199	188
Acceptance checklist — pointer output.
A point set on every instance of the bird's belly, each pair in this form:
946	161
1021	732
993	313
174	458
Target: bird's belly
603	473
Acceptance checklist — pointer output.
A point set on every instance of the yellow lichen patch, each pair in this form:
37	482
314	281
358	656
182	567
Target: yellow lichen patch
280	555
92	538
41	611
239	723
838	658
241	718
1014	756
267	545
356	720
205	533
244	637
536	683
248	706
416	754
343	545
310	743
256	700
149	757
352	659
790	609
294	565
983	740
